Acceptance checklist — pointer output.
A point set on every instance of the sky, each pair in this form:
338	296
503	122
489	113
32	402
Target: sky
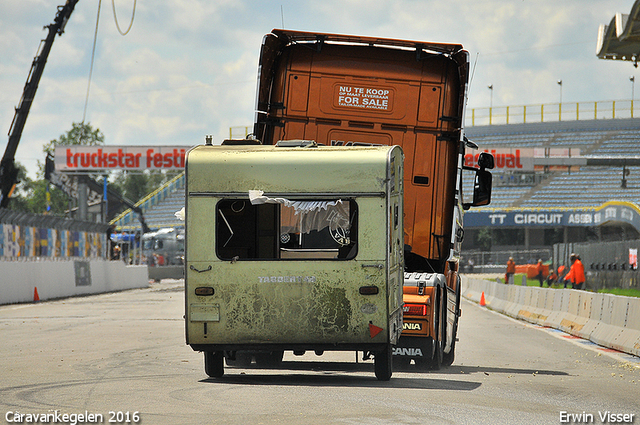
188	68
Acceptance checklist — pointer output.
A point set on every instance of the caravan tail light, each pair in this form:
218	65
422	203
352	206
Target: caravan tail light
415	309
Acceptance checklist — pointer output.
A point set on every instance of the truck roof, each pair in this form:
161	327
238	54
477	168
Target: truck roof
278	40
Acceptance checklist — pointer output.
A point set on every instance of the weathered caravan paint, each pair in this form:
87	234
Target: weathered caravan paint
269	284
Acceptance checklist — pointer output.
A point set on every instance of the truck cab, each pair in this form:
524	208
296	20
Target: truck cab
347	90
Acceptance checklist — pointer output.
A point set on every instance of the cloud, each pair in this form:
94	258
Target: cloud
188	68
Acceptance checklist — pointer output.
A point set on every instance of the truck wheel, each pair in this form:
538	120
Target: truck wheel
436	361
214	363
424	363
441	328
382	364
448	358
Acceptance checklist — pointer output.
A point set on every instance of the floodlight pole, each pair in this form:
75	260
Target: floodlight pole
560	104
633	83
490	87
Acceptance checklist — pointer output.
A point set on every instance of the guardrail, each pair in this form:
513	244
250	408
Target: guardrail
609	320
523	114
549	112
27	281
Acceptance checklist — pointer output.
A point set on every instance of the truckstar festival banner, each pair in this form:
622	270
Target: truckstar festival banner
523	159
506	159
99	158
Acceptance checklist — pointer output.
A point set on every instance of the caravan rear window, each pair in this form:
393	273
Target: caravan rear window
272	229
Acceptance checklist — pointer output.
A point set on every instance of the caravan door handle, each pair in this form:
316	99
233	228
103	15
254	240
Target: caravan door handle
200	271
373	266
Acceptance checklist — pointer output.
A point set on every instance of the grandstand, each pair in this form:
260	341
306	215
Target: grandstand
575	186
159	208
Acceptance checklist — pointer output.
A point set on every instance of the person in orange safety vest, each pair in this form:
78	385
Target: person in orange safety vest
576	273
540	272
511	271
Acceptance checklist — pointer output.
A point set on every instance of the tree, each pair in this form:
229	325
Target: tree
80	134
32	194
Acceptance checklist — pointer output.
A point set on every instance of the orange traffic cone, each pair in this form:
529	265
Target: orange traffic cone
482	301
36	297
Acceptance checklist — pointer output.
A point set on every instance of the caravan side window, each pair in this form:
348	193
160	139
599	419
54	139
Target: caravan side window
309	229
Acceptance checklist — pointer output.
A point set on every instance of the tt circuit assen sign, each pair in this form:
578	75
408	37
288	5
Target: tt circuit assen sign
101	158
614	211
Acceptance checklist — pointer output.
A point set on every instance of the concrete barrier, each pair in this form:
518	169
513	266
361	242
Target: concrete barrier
22	280
609	320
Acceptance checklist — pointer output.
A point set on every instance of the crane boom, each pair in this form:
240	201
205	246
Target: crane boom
8	170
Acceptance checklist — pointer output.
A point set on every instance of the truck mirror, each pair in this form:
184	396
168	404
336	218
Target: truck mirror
482	188
485	160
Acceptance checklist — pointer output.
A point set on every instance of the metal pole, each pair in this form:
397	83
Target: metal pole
560	104
106	201
490	87
633	82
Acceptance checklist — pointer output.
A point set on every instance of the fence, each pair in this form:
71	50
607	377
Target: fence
520	114
608	320
523	114
606	264
496	261
33	236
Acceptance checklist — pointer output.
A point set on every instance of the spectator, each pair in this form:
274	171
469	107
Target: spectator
576	273
540	272
552	278
511	271
116	252
158	259
562	271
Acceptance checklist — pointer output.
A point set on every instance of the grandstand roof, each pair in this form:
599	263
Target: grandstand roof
620	40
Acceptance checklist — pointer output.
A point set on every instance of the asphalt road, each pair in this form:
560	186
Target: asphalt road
123	356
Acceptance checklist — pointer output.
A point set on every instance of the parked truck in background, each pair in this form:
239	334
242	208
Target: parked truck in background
343	90
253	290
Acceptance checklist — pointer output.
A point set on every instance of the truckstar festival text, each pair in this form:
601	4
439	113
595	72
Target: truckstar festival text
74	158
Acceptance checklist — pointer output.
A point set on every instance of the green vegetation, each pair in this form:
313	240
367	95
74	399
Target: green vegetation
627	292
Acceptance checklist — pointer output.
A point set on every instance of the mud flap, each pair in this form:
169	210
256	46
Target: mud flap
416	348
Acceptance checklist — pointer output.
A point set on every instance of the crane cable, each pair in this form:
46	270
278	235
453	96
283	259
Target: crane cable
115	16
93	52
95	39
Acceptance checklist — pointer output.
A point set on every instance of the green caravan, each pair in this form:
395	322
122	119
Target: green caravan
293	247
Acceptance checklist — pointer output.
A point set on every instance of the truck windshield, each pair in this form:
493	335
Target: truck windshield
323	229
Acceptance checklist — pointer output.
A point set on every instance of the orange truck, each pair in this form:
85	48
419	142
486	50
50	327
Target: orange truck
343	90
